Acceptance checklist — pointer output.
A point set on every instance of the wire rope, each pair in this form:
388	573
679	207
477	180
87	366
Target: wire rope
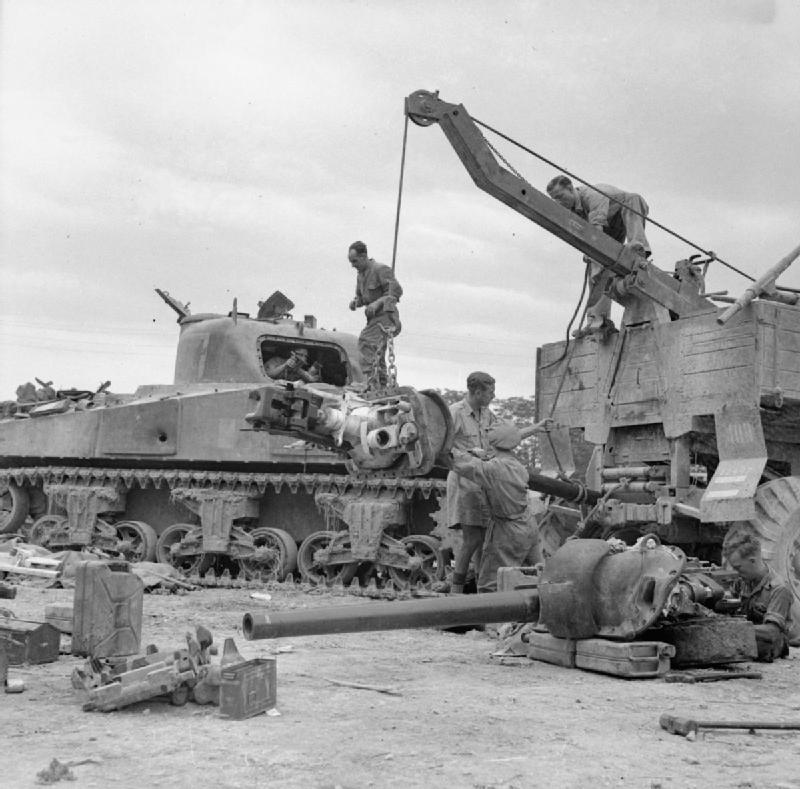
711	255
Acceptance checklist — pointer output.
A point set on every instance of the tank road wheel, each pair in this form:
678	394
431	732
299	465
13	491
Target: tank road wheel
172	535
47	529
280	555
427	550
14	505
137	540
777	526
311	571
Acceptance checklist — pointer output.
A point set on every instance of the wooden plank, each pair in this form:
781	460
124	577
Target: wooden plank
717	362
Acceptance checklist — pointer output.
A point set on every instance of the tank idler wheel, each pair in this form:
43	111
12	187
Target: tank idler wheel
311	571
138	540
426	549
14	506
46	529
280	560
777	527
172	535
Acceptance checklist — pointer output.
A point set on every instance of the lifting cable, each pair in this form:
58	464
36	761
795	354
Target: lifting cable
399	193
711	255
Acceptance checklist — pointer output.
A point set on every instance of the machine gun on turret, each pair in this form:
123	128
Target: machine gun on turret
180	308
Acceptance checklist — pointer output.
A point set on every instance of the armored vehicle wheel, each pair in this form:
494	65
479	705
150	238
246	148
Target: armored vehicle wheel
280	560
137	540
312	571
777	526
47	529
14	505
427	550
172	535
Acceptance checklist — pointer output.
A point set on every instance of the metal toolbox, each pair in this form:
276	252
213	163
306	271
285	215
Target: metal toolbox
248	688
549	649
624	659
29	642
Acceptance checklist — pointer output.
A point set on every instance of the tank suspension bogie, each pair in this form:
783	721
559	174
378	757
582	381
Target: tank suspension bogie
217	510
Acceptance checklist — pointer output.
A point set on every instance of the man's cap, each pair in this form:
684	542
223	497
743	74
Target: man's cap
359	247
504	435
479	379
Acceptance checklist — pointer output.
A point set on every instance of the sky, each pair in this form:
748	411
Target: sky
222	150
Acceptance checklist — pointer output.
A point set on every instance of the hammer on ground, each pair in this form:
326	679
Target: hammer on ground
675	724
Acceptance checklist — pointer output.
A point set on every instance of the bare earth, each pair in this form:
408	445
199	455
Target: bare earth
463	719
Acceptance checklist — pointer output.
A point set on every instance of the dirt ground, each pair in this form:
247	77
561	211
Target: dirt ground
462	717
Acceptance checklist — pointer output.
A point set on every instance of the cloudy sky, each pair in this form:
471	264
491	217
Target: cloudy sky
228	149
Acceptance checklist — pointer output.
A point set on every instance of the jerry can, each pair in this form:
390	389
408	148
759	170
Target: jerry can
107	610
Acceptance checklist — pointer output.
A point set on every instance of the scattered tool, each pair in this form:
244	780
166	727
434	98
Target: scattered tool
686	727
691	677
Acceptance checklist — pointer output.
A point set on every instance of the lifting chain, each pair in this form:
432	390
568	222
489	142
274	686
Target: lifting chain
391	367
385	350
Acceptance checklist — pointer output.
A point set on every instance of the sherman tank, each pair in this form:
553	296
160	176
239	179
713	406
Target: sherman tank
168	473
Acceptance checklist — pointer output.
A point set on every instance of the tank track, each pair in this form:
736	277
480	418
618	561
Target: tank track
217	480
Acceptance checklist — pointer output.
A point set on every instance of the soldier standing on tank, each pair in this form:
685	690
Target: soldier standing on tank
618	214
378	292
766	599
511	537
467	508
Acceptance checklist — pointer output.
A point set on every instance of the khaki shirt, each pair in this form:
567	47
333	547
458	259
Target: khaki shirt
598	210
769	601
375	282
504	479
466	501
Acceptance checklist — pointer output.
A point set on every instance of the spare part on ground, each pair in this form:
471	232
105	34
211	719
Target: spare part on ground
588	588
600	604
191	673
691	408
171	472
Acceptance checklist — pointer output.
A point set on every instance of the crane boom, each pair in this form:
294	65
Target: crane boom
639	276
